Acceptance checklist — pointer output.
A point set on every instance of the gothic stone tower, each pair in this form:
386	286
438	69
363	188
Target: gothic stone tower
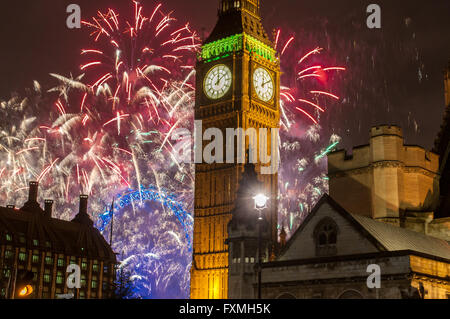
442	147
238	78
242	238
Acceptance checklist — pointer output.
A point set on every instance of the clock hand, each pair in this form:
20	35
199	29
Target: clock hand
219	79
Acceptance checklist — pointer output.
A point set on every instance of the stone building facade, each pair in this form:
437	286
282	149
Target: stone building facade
383	215
389	181
388	215
31	239
442	147
329	255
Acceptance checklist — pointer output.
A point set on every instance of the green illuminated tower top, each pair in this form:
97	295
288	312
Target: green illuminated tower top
239	16
236	19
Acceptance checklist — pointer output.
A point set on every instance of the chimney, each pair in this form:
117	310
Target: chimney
48	208
33	191
32	205
83	217
83	204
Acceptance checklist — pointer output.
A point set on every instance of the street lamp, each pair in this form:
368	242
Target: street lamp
260	201
22	284
260	204
25	291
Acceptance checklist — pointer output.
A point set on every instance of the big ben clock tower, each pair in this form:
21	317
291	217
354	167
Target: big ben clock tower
238	86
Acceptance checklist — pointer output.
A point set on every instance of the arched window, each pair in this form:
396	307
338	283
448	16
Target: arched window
325	237
286	295
351	294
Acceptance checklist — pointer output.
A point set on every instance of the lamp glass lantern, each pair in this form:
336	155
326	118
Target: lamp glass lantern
260	201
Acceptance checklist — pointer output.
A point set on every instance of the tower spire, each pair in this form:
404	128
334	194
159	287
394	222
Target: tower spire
250	6
237	17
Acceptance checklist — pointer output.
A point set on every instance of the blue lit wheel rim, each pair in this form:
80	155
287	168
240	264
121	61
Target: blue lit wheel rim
149	194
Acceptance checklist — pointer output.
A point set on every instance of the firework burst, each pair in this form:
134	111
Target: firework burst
305	95
136	89
109	131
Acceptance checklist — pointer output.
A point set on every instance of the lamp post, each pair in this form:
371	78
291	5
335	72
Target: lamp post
260	204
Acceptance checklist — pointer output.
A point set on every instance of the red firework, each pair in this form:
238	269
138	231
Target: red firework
304	71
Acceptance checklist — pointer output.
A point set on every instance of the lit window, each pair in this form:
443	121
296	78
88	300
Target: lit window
48	260
22	256
47	277
8	237
6	272
94	284
60	262
35	259
35	242
59	277
95	267
8	254
83	265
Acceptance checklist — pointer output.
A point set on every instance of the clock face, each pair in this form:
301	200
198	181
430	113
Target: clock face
217	81
263	83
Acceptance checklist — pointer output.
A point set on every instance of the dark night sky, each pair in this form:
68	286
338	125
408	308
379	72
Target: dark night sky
35	41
